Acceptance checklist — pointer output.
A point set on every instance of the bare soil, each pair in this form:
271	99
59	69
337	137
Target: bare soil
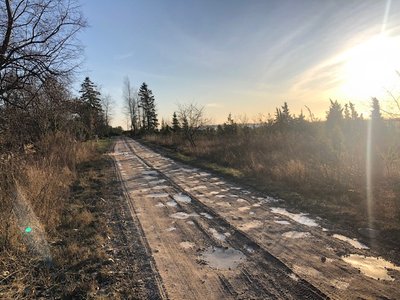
284	256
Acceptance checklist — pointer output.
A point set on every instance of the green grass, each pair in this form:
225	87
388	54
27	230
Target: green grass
103	145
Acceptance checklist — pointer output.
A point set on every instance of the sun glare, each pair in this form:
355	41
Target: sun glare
370	67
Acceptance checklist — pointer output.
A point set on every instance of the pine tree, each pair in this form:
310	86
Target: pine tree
92	113
354	113
334	123
147	103
175	123
347	114
334	116
376	110
283	116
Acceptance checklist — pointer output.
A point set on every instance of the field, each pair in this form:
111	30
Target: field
314	168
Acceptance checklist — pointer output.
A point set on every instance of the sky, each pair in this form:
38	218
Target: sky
244	57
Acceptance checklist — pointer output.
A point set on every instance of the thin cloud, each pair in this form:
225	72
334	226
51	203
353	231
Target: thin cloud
214	104
124	56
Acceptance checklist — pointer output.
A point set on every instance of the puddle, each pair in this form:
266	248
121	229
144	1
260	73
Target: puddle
296	234
203	174
299	218
223	258
186	245
224	204
157	181
270	199
172	203
150	173
206	215
283	222
249	249
159	204
149	177
294	277
217	235
160	187
161	195
244	208
356	244
200	187
374	267
219	182
251	225
240	200
182	198
235	188
182	215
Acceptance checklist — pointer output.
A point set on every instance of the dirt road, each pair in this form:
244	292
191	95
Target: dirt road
210	239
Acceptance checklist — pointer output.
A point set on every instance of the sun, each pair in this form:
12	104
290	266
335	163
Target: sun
370	68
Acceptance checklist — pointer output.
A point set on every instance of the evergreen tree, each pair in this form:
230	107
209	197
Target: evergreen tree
353	112
282	116
334	117
147	103
376	110
175	123
334	123
347	115
92	113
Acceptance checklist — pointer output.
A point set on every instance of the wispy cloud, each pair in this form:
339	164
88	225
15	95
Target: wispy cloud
123	56
214	104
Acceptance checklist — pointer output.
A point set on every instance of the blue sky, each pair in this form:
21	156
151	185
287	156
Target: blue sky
241	57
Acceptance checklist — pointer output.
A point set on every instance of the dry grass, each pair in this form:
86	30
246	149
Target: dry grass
315	169
35	192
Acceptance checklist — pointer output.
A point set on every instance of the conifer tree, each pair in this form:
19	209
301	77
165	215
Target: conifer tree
283	116
147	104
92	113
175	123
334	116
376	110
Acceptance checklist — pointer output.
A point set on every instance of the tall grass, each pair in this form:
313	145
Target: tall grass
41	176
327	164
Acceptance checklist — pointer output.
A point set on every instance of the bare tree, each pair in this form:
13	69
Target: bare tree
37	41
107	103
192	119
131	105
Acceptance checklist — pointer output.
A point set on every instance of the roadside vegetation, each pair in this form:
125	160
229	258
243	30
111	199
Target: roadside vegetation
316	166
51	232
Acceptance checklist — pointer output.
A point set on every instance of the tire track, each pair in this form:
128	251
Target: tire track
160	292
278	273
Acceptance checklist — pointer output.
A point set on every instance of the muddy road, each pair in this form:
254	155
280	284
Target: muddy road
211	239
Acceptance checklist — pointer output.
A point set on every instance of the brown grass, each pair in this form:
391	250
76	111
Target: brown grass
35	191
314	168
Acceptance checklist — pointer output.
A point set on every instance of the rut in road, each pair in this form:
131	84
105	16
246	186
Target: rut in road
260	275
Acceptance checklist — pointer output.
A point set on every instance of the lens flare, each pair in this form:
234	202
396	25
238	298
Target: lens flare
369	184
